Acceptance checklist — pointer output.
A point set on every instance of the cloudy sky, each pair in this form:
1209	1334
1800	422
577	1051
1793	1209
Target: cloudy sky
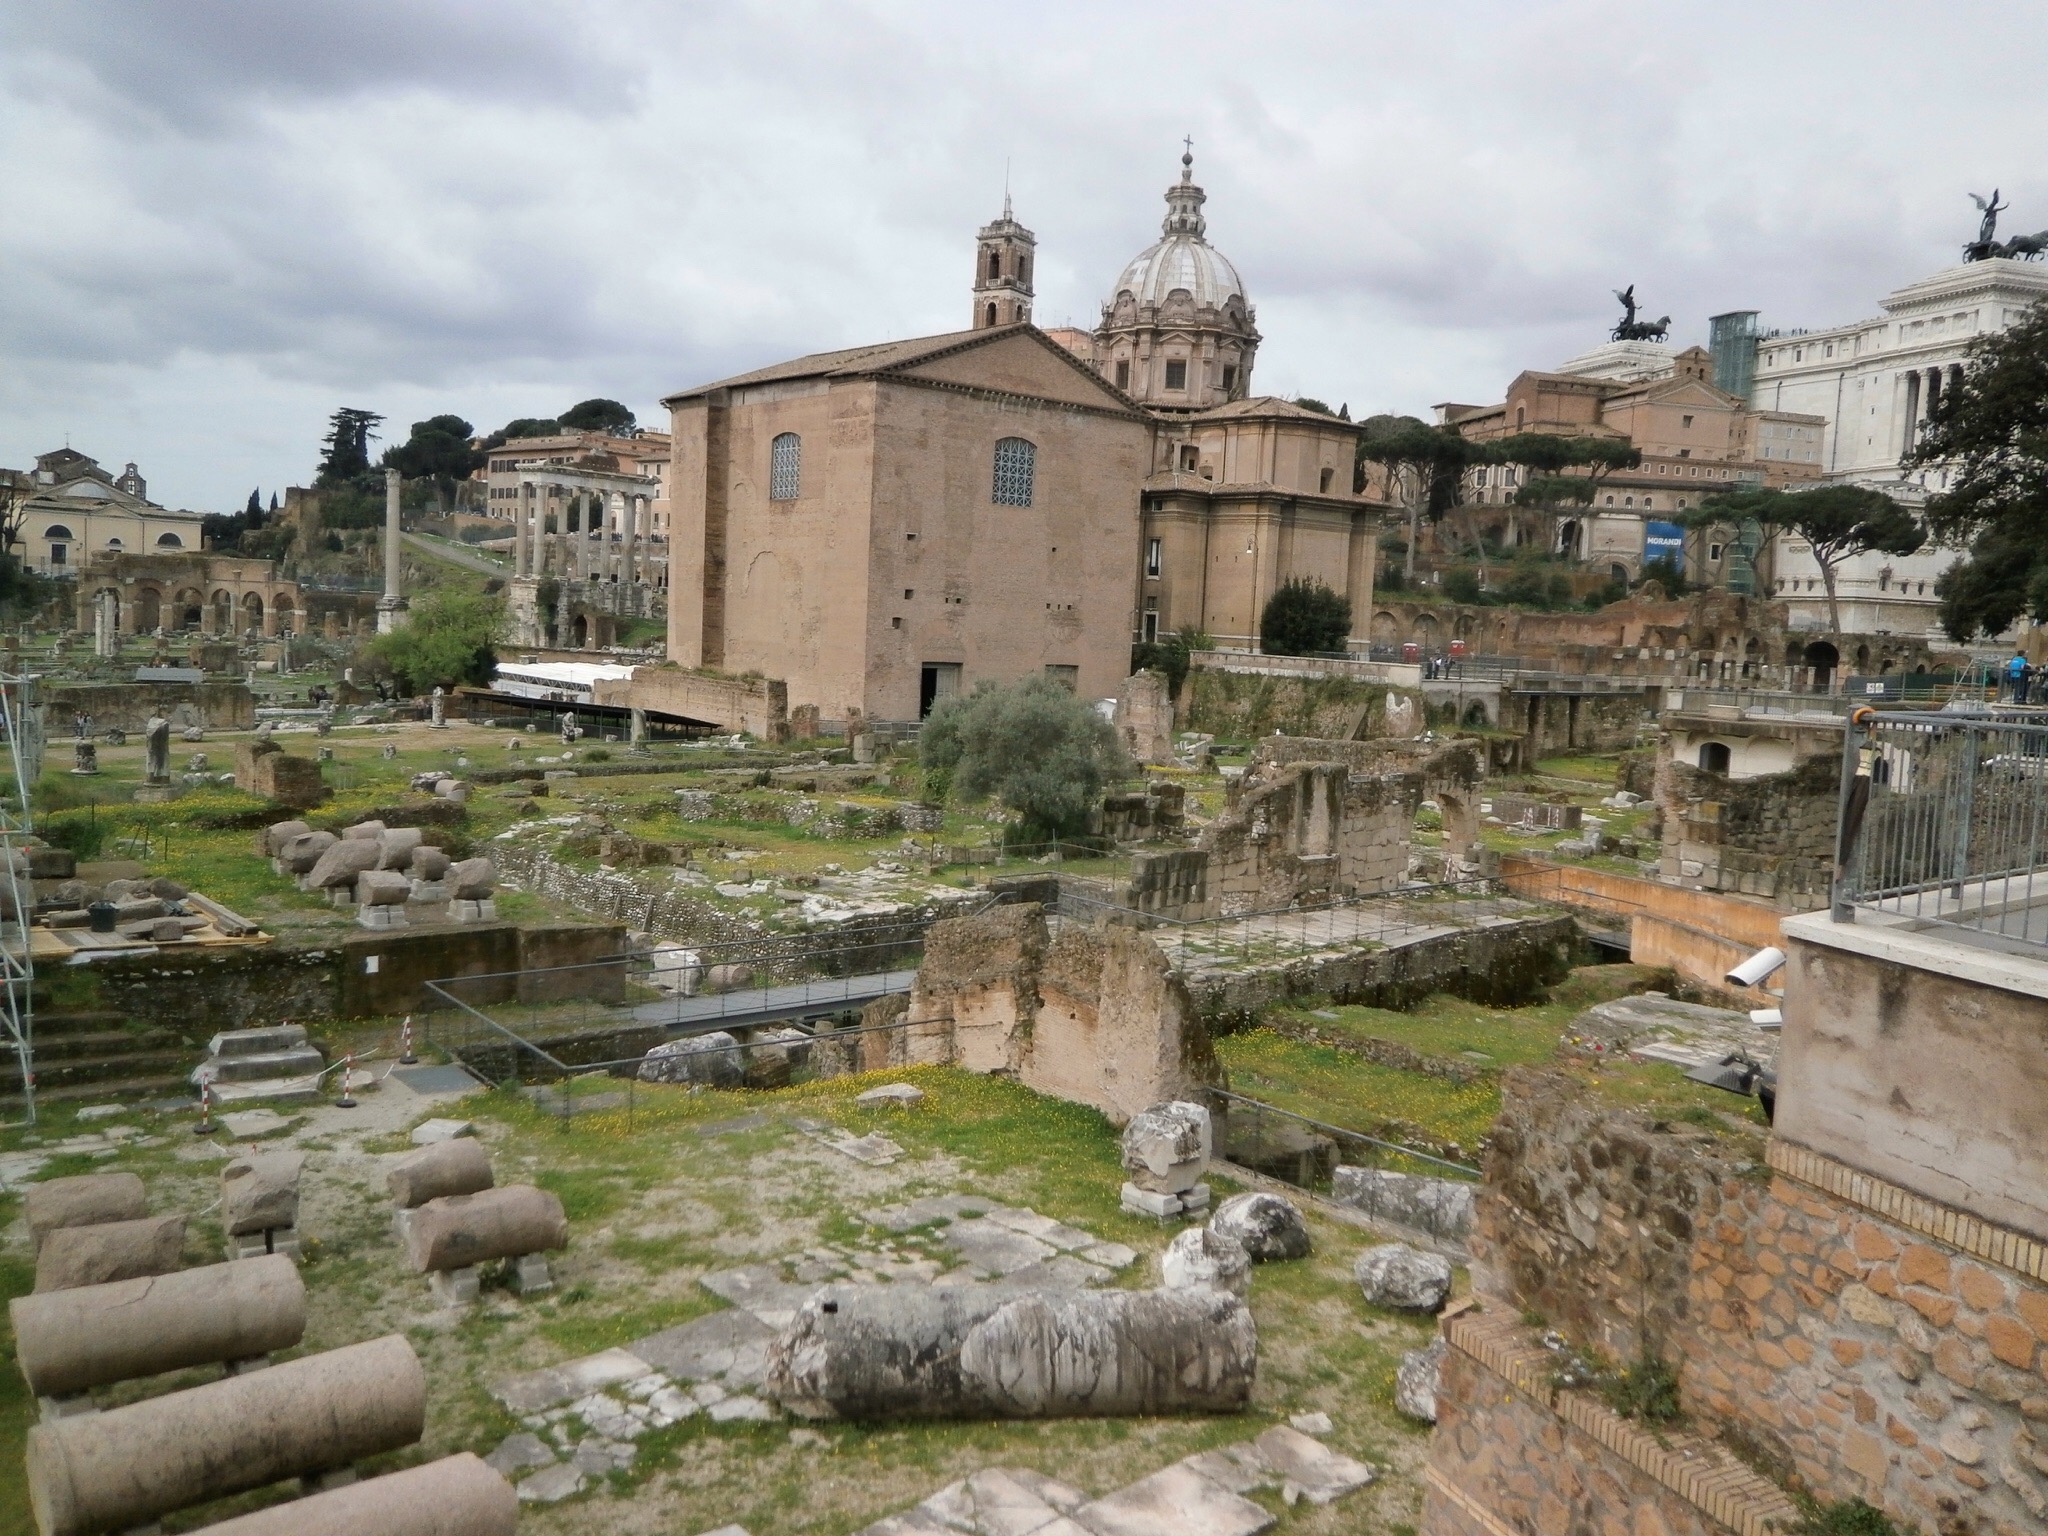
226	217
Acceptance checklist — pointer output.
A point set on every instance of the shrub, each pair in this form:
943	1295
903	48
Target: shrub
1034	746
1462	586
1303	617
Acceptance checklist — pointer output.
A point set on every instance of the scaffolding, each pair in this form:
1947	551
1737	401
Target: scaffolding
21	734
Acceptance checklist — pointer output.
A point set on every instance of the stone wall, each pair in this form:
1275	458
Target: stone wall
1699	934
1921	1060
1094	1016
1862	1340
759	706
1144	717
1557	724
362	975
1502	965
1316	819
214	705
1243	706
1771	837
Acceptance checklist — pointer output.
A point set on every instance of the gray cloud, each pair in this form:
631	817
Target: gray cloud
226	218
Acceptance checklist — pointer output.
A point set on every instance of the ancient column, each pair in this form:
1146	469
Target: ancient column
632	532
584	502
519	530
391	606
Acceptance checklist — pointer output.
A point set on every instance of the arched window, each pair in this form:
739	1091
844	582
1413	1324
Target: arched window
785	466
991	314
1016	468
1714	756
995	263
169	541
57	531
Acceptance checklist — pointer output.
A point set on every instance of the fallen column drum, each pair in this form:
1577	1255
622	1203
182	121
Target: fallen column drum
109	1471
458	1166
881	1352
459	1231
91	1336
455	1496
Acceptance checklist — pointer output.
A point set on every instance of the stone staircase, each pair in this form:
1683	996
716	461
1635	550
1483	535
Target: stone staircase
96	1054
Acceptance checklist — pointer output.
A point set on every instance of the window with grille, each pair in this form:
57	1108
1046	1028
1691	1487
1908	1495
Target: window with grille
1176	375
1016	467
1123	375
785	466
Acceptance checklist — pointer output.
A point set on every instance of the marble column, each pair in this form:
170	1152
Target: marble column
631	533
391	606
519	530
583	535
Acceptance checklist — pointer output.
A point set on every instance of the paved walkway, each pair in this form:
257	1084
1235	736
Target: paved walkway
769	1005
455	554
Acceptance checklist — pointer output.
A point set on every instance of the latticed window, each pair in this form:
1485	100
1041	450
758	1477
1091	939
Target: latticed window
1016	466
785	466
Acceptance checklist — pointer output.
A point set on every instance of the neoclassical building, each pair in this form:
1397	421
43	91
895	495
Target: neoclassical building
879	526
1874	381
71	510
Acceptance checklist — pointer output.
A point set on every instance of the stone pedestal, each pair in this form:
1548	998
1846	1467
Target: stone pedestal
254	1245
533	1276
1151	1202
381	917
454	1287
485	911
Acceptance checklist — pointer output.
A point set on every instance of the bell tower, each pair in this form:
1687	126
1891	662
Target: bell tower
1002	272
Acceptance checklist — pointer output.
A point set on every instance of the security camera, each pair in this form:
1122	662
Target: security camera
1758	968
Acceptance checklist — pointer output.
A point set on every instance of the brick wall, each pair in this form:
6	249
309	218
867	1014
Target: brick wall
1864	1340
1512	1455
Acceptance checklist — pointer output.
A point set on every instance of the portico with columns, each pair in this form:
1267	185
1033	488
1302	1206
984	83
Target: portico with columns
590	532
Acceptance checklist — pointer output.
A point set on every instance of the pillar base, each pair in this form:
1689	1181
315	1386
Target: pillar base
391	614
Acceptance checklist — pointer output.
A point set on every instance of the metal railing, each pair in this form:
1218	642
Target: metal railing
1307	1152
21	755
1944	820
503	1058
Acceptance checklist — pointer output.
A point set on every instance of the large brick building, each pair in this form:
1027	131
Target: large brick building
879	526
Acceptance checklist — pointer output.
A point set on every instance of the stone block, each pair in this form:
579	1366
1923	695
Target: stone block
1149	1202
368	831
1442	1208
342	862
1166	1148
382	917
396	845
266	1040
461	1231
457	1165
1402	1278
260	1190
382	888
84	1199
429	864
1418	1380
1203	1258
1266	1226
711	1059
472	879
108	1251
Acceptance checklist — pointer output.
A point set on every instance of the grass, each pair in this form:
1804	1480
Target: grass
1589	769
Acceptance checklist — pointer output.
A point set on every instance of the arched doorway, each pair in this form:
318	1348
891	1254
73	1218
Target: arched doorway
579	633
1568	539
1714	757
188	608
223	612
149	610
286	614
252	612
1821	661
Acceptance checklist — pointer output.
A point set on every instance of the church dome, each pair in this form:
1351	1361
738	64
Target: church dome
1182	259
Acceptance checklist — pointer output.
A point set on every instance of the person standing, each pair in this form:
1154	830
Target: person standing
2016	677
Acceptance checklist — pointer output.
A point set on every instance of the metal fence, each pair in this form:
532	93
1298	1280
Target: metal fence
1944	819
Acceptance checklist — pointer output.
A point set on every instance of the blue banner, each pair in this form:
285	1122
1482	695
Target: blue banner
1664	541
